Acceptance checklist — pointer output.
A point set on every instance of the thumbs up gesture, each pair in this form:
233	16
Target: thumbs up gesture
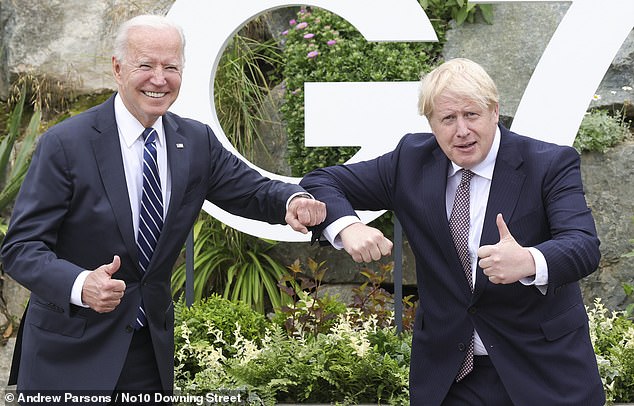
100	292
507	261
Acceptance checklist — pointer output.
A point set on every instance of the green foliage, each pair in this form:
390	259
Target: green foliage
241	89
235	264
457	10
348	364
612	335
310	311
600	130
212	322
16	148
372	299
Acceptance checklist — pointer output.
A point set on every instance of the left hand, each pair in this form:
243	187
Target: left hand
305	212
507	261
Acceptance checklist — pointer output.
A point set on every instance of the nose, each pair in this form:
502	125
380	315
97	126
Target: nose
158	76
462	128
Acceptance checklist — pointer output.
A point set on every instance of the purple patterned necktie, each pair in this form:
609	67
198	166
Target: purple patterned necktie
459	223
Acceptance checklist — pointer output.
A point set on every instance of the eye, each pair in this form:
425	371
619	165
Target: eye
145	66
448	119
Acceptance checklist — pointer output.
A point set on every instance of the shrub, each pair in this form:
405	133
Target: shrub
206	332
612	335
599	131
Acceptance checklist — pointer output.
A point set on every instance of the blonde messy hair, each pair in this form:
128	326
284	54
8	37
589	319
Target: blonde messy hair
460	78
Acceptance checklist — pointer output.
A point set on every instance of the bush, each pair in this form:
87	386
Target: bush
612	335
209	331
599	131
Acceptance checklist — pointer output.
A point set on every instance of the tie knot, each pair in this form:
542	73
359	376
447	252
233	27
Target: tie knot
149	135
466	177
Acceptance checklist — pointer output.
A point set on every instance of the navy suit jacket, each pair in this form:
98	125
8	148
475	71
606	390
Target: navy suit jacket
73	214
539	344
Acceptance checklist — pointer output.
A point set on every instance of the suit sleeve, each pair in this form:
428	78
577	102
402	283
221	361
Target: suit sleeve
366	185
41	205
573	250
243	191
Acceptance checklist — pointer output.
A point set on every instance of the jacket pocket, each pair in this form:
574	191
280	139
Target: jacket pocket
564	323
48	317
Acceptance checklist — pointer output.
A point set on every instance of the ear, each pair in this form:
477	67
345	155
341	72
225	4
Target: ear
116	69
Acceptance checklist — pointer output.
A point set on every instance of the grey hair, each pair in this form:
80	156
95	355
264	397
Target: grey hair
120	47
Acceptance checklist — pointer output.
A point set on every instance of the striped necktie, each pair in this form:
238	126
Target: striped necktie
150	210
459	223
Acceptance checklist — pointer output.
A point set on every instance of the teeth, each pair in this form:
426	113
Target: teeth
155	94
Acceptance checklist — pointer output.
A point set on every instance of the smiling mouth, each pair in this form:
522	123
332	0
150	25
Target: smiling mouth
155	95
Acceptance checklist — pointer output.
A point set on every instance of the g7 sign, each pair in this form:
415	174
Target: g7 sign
552	107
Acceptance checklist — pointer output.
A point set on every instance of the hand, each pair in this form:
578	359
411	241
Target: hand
365	243
507	261
305	212
100	292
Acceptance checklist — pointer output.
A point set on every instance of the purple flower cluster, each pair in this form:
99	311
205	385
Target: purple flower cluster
309	35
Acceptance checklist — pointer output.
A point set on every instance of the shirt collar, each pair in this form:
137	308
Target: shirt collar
130	128
484	168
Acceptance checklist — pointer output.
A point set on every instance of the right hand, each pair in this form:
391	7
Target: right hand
365	243
100	292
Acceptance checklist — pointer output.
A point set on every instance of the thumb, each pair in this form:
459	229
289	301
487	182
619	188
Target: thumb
502	228
112	267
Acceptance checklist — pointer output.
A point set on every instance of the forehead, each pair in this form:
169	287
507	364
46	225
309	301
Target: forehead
447	104
161	44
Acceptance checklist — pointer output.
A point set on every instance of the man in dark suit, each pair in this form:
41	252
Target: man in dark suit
501	318
99	319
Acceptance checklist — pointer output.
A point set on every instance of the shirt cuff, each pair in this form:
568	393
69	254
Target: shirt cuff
331	233
298	194
75	293
540	279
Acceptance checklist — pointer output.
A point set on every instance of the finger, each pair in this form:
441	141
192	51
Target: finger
113	267
296	225
375	253
484	251
502	227
386	247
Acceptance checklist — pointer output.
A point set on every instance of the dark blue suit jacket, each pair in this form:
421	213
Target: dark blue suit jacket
539	344
73	213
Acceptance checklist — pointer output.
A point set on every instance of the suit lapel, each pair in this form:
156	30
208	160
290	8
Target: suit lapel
504	194
178	161
434	197
107	150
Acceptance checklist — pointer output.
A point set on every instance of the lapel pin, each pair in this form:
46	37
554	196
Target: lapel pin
180	146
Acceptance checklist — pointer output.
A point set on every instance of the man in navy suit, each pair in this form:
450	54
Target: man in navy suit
505	324
73	236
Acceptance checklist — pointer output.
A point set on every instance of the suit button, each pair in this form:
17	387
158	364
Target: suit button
461	347
472	310
129	328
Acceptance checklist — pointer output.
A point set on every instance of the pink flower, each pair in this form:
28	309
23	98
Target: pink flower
292	22
285	32
309	36
312	54
331	42
302	25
